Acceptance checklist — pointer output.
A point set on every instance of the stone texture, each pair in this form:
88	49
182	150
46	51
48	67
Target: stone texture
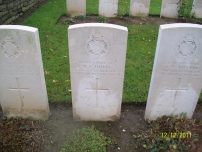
170	8
177	72
97	61
108	8
10	6
76	7
23	90
197	8
2	7
3	13
139	7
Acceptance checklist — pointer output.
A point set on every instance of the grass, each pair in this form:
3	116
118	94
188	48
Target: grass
123	7
142	41
155	7
87	139
139	62
92	7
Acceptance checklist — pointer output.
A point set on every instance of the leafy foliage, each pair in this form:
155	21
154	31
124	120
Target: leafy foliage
102	19
18	134
81	17
87	140
185	9
67	21
170	133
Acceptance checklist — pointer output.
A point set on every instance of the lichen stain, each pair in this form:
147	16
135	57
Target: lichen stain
115	117
76	116
35	114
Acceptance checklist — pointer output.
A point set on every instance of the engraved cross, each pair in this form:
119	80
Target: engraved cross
96	89
75	2
176	90
19	89
107	2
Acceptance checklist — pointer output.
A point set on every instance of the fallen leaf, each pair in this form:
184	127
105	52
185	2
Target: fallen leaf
47	72
55	81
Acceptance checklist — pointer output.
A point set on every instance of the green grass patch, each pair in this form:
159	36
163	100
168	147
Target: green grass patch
141	48
123	7
87	139
139	61
92	7
155	7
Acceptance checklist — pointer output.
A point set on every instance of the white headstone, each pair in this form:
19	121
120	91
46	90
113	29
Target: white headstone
97	62
177	73
108	8
139	7
170	8
197	8
22	90
76	7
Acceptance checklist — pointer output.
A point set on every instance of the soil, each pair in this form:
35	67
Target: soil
151	20
56	131
60	126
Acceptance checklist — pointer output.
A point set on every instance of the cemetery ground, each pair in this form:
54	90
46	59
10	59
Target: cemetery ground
132	133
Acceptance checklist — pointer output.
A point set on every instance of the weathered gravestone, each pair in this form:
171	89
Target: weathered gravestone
108	8
170	8
177	73
97	62
76	7
197	8
139	7
22	90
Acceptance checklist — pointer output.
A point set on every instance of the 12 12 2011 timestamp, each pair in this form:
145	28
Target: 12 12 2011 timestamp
176	135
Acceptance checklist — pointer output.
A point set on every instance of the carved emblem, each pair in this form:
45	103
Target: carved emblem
97	46
186	48
9	47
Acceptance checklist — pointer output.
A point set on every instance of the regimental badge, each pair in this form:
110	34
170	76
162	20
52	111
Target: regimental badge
186	48
97	46
9	47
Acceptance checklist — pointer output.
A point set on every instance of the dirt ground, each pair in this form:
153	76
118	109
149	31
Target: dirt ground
60	125
151	20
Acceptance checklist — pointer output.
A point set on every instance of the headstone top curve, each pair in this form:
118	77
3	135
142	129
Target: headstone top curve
19	27
102	25
179	25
